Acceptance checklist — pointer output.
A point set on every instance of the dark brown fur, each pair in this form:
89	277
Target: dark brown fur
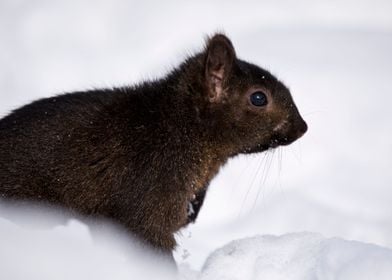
138	155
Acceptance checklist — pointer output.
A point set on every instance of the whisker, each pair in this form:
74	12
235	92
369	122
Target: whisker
280	169
239	178
256	172
264	177
280	186
280	152
297	157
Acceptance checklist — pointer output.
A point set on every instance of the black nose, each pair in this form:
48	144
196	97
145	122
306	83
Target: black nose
302	128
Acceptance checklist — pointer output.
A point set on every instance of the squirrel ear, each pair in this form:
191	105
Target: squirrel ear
220	56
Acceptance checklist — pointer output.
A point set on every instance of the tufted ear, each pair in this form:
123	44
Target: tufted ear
220	56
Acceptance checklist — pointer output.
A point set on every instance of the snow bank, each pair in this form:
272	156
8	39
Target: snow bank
298	256
33	247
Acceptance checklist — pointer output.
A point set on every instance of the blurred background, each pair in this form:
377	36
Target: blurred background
335	56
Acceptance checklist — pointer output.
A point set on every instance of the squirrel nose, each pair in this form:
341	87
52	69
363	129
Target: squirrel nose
302	128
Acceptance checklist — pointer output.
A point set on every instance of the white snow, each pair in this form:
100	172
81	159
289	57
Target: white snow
335	57
298	256
76	250
37	245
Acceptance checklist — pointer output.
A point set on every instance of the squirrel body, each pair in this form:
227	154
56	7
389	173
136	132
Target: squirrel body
139	155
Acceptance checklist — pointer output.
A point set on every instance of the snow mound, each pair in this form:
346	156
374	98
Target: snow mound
298	256
39	246
31	248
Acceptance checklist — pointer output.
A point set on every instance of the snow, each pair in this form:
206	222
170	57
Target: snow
336	181
79	250
299	256
33	248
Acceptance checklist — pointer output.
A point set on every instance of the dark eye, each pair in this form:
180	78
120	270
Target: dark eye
258	98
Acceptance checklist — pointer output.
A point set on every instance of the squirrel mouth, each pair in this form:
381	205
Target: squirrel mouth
277	139
256	149
281	141
274	143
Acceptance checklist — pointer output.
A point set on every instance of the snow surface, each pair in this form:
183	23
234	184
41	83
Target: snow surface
73	251
335	57
76	250
298	256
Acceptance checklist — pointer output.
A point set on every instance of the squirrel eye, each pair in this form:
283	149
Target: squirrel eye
258	98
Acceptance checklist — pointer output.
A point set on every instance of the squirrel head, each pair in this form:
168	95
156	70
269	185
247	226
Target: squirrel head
241	106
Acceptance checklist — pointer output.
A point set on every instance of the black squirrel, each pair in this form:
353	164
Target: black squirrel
143	155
